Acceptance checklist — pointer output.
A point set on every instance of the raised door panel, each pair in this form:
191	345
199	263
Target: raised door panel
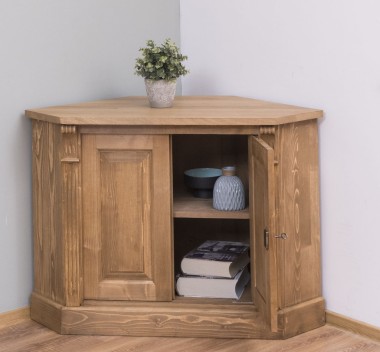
125	213
262	200
127	226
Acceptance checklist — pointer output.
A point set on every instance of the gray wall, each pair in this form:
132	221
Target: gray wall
322	54
57	52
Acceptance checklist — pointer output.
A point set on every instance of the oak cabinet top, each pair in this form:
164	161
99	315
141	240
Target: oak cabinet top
186	111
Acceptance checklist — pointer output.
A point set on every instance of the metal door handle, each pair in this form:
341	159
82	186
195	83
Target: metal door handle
266	239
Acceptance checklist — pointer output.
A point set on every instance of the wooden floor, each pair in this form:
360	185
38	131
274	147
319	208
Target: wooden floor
27	336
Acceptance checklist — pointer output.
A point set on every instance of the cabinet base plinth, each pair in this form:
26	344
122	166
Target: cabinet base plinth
302	317
166	319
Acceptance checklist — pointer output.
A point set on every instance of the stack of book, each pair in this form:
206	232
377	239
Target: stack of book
215	269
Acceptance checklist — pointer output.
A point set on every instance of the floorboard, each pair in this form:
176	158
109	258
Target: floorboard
29	336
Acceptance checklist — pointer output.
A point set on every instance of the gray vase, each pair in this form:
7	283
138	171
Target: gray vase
160	93
228	192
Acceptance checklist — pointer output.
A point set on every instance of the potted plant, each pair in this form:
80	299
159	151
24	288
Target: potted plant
160	66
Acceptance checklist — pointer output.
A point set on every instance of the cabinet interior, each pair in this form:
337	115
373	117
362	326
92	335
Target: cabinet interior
195	220
216	151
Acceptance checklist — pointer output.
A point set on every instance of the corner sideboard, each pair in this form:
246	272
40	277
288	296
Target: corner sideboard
112	218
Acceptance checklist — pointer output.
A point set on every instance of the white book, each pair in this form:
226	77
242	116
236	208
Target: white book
216	258
213	287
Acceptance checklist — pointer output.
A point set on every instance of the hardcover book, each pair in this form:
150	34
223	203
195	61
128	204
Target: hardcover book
213	287
216	259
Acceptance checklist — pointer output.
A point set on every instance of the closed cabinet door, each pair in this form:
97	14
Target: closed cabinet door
262	200
127	237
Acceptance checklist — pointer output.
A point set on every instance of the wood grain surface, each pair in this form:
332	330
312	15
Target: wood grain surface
29	336
298	213
186	111
127	227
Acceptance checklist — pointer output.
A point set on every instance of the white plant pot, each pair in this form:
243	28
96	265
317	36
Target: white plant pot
160	93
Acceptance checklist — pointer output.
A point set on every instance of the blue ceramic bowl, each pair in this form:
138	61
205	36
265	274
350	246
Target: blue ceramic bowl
201	181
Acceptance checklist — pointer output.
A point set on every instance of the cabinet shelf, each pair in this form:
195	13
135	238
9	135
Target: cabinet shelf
186	206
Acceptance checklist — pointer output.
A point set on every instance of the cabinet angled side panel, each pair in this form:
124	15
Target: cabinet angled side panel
47	221
299	271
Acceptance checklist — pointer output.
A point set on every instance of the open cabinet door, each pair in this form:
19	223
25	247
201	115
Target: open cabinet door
262	201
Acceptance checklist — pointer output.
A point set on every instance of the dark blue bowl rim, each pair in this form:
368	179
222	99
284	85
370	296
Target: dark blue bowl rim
204	172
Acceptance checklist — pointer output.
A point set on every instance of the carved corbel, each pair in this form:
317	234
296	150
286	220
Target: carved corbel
267	130
70	145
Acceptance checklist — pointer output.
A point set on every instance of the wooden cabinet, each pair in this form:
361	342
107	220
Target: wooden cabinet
113	218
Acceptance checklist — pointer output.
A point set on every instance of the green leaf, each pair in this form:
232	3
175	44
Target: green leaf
160	62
